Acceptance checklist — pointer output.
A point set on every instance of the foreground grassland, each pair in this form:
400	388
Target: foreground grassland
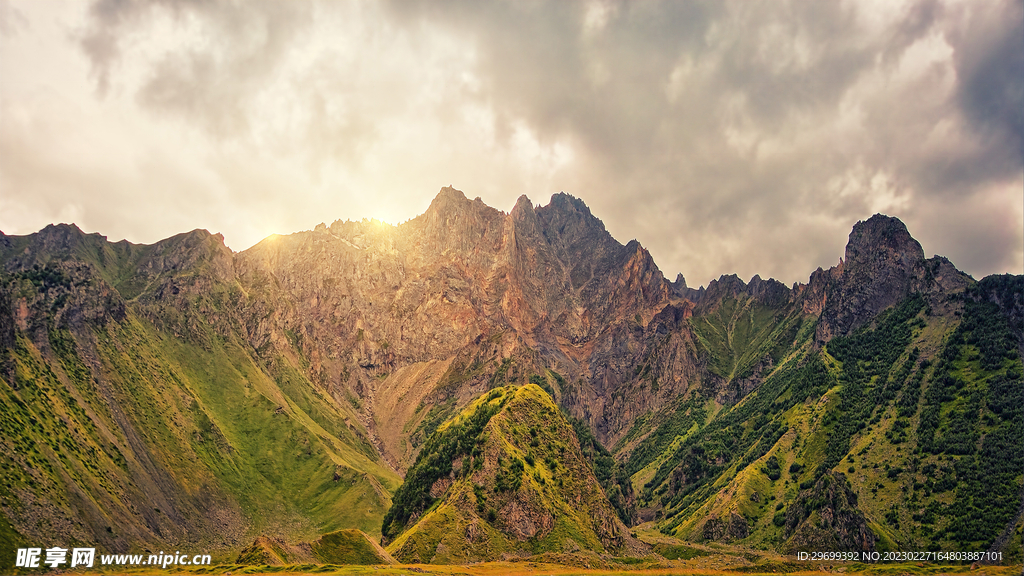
670	556
724	565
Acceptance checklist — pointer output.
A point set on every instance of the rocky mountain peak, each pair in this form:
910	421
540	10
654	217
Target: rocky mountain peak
523	213
448	201
883	265
882	239
521	223
568	223
523	204
770	291
565	207
452	222
449	194
680	282
198	251
569	204
59	238
727	285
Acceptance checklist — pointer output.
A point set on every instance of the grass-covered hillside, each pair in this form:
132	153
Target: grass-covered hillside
905	434
342	547
504	477
143	419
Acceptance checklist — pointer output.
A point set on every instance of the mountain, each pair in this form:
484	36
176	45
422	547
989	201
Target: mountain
179	393
864	410
412	316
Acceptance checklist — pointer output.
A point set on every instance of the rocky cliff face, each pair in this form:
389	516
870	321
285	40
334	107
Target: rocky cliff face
363	302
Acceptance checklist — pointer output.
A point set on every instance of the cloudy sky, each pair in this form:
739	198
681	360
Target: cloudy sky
727	137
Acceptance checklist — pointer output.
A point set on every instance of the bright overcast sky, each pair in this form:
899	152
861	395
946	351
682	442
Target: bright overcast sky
727	137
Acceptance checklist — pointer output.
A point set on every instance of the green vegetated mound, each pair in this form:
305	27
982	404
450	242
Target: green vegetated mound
339	547
266	551
505	477
349	547
903	434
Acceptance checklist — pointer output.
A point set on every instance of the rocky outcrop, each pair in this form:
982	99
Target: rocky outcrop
826	517
736	389
726	529
877	273
7	324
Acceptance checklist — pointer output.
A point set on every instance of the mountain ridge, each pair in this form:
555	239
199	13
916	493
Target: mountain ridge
350	344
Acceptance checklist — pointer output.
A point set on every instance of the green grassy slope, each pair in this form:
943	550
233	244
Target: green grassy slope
206	441
740	331
349	547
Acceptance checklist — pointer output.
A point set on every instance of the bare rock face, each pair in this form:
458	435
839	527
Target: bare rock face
523	518
733	527
7	327
769	292
737	388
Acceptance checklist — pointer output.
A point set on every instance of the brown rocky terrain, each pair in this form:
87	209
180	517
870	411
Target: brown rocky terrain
371	307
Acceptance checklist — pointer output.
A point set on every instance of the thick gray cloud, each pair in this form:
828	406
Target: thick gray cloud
753	124
990	63
240	46
742	137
